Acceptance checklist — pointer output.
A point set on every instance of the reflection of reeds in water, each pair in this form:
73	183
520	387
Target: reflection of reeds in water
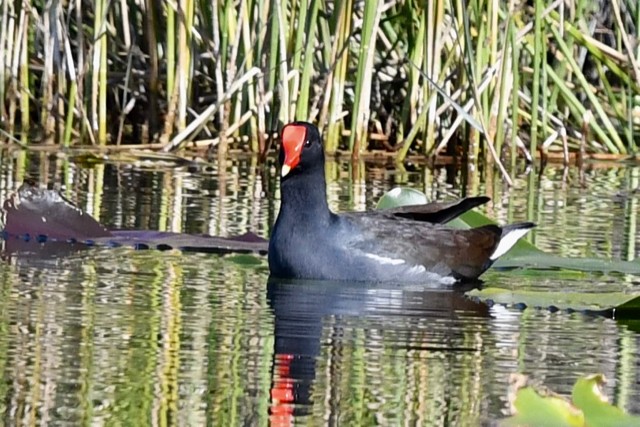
148	337
471	78
573	220
124	337
431	383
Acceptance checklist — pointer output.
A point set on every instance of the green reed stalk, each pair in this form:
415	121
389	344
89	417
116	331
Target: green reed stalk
482	63
471	143
120	11
170	46
12	50
515	98
613	134
97	86
329	60
433	67
604	54
325	37
260	19
4	53
46	100
218	35
102	127
495	31
630	93
283	85
231	70
505	79
225	31
302	109
61	103
85	126
419	60
629	130
184	60
498	87
578	110
274	42
73	95
563	72
339	74
296	23
632	214
612	99
251	86
408	140
419	43
245	98
24	69
153	81
361	107
25	123
306	58
538	49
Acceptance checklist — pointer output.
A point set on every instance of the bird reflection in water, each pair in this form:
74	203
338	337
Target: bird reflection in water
301	308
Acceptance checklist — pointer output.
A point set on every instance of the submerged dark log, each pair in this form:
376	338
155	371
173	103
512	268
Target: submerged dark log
43	222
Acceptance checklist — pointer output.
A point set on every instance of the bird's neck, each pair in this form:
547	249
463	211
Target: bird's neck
305	194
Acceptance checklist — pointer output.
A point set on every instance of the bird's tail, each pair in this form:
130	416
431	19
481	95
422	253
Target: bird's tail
510	235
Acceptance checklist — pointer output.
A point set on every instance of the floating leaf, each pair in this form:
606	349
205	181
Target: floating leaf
598	412
543	261
532	409
589	407
401	196
562	300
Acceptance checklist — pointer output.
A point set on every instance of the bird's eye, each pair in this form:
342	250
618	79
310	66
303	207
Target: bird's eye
307	143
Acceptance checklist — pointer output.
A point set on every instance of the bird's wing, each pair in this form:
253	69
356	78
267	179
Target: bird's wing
435	212
437	248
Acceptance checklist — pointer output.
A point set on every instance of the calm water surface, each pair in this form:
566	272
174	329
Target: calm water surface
124	337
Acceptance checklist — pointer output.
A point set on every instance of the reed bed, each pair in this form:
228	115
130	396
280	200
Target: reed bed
484	79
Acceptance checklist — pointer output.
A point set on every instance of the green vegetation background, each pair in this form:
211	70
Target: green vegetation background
403	76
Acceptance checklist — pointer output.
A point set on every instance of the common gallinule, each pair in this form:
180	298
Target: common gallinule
405	245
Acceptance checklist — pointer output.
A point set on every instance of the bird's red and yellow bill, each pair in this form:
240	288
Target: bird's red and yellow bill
293	137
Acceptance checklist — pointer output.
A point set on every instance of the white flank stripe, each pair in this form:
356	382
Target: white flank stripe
385	260
507	242
418	269
448	280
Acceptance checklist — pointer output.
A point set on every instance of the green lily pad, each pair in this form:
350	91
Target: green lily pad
589	407
401	196
533	409
598	412
544	261
596	301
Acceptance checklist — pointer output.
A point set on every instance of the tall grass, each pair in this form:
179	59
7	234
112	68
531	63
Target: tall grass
479	79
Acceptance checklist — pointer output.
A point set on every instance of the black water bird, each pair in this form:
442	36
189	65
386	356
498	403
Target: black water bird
405	245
